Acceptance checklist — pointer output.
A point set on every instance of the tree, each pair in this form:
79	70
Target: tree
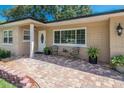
18	12
41	12
59	12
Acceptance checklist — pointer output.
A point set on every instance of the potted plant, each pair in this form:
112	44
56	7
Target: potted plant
93	54
47	51
118	63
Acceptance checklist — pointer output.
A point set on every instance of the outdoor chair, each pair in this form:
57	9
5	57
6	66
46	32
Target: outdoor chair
75	52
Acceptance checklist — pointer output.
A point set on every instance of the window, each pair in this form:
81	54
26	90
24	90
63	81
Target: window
8	38
26	35
70	37
57	37
81	36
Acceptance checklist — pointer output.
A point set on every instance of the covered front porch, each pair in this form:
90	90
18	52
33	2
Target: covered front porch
33	37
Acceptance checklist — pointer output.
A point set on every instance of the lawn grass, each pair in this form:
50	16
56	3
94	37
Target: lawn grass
5	84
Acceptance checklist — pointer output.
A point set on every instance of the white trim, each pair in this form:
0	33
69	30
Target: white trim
60	37
31	40
71	45
75	37
25	41
7	36
23	35
22	22
8	44
44	43
86	36
71	28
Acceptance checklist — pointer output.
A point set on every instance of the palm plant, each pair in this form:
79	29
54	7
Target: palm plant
93	53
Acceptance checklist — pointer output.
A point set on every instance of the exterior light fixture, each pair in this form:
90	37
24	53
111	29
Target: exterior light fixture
119	29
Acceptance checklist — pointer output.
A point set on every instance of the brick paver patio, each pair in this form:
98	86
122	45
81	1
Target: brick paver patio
51	71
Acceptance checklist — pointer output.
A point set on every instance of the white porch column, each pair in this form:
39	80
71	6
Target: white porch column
31	40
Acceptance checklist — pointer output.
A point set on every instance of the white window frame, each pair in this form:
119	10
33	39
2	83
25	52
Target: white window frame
71	45
7	37
24	35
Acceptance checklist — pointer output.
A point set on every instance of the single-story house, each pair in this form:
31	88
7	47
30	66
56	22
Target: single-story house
28	35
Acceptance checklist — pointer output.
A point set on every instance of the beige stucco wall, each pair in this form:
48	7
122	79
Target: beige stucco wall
19	47
101	34
14	46
97	36
24	47
116	42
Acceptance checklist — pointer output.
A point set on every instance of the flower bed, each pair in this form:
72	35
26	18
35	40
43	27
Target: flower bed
16	78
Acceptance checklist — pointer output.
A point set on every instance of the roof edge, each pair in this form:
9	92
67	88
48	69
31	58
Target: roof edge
91	15
21	20
85	16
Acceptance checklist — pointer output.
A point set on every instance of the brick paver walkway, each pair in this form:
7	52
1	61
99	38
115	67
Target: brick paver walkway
58	72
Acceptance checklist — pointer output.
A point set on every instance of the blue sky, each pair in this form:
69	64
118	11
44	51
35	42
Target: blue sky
95	8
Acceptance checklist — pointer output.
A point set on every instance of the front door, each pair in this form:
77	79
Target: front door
41	40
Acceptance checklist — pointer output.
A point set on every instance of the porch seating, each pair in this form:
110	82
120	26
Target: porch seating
54	50
75	52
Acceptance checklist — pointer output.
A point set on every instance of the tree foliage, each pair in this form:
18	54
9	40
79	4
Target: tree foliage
59	12
46	12
18	12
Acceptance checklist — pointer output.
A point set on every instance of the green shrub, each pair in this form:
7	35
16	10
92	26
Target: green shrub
47	50
4	53
93	52
117	60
